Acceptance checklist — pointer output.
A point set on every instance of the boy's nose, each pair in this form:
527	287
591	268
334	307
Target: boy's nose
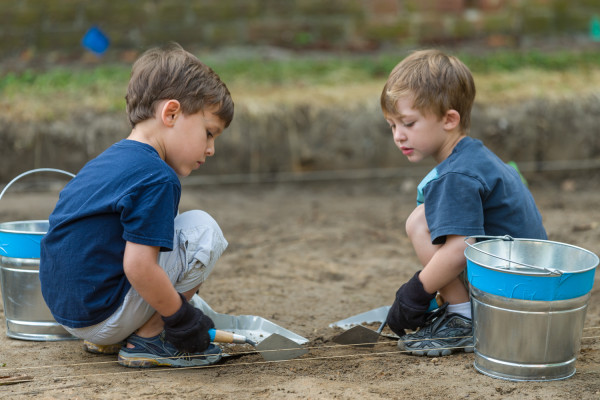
210	151
398	135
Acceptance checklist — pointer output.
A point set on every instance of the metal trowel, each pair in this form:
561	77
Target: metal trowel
359	335
273	348
279	348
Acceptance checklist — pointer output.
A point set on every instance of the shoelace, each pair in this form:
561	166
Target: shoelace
433	317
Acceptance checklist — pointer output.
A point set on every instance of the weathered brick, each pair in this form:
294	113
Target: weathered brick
490	5
330	7
224	34
293	23
454	6
55	40
390	33
63	12
172	13
117	15
463	29
278	9
14	43
421	6
592	5
537	21
383	8
278	32
497	23
432	29
28	16
333	32
219	10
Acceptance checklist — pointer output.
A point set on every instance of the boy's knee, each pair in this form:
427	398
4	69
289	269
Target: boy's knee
201	240
416	223
194	218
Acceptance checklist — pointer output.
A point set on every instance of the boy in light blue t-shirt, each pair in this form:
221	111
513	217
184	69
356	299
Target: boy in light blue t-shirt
427	102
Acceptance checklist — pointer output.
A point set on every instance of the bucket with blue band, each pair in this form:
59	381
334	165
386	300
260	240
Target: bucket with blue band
530	269
529	299
26	314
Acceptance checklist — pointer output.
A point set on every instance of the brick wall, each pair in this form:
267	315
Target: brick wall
49	25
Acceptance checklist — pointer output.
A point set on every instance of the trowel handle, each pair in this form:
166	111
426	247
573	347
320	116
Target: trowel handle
226	337
381	326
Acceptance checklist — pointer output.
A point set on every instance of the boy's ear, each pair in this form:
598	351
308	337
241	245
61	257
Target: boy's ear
451	120
169	112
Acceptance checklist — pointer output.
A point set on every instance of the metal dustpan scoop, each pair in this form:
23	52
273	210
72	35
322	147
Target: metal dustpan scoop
274	343
357	334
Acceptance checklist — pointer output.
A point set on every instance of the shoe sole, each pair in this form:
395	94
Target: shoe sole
150	361
439	352
109	349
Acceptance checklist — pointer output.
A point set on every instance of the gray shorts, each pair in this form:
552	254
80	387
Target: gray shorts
197	245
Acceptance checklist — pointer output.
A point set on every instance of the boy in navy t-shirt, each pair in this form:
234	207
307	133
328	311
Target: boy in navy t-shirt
427	101
118	264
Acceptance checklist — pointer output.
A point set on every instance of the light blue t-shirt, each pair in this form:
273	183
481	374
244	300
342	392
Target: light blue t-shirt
473	192
127	193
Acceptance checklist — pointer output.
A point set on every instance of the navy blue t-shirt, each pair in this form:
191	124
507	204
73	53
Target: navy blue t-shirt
127	193
473	192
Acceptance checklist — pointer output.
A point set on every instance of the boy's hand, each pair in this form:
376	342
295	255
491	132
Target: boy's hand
187	329
410	307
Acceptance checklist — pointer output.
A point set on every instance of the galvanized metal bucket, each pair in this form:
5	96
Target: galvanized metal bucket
27	316
529	301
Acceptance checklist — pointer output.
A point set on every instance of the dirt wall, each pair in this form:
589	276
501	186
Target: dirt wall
303	138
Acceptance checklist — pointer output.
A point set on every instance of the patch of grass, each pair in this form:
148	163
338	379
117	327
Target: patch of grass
56	92
61	91
327	69
62	78
505	61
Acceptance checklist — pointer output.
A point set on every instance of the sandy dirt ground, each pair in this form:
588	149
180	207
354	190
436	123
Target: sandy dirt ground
304	255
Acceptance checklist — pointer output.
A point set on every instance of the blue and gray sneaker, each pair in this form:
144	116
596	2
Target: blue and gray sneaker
443	334
157	352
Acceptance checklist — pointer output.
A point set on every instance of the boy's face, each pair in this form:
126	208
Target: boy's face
419	135
192	140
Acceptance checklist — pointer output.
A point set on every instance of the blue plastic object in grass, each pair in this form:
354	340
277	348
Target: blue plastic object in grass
95	41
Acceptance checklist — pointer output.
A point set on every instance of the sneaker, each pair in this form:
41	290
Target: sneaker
102	348
157	352
443	334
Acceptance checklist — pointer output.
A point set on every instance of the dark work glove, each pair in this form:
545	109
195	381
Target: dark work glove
187	329
409	310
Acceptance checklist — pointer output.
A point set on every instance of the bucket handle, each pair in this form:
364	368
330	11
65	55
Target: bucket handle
549	271
31	172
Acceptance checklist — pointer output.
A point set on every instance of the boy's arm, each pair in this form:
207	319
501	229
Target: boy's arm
444	267
185	326
149	279
440	273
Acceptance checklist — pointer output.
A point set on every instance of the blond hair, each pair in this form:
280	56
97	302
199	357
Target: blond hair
437	83
170	72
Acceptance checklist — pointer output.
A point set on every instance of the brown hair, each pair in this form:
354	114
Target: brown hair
170	72
437	82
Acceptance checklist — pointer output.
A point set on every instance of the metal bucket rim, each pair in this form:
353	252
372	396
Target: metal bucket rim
4	229
528	273
33	171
